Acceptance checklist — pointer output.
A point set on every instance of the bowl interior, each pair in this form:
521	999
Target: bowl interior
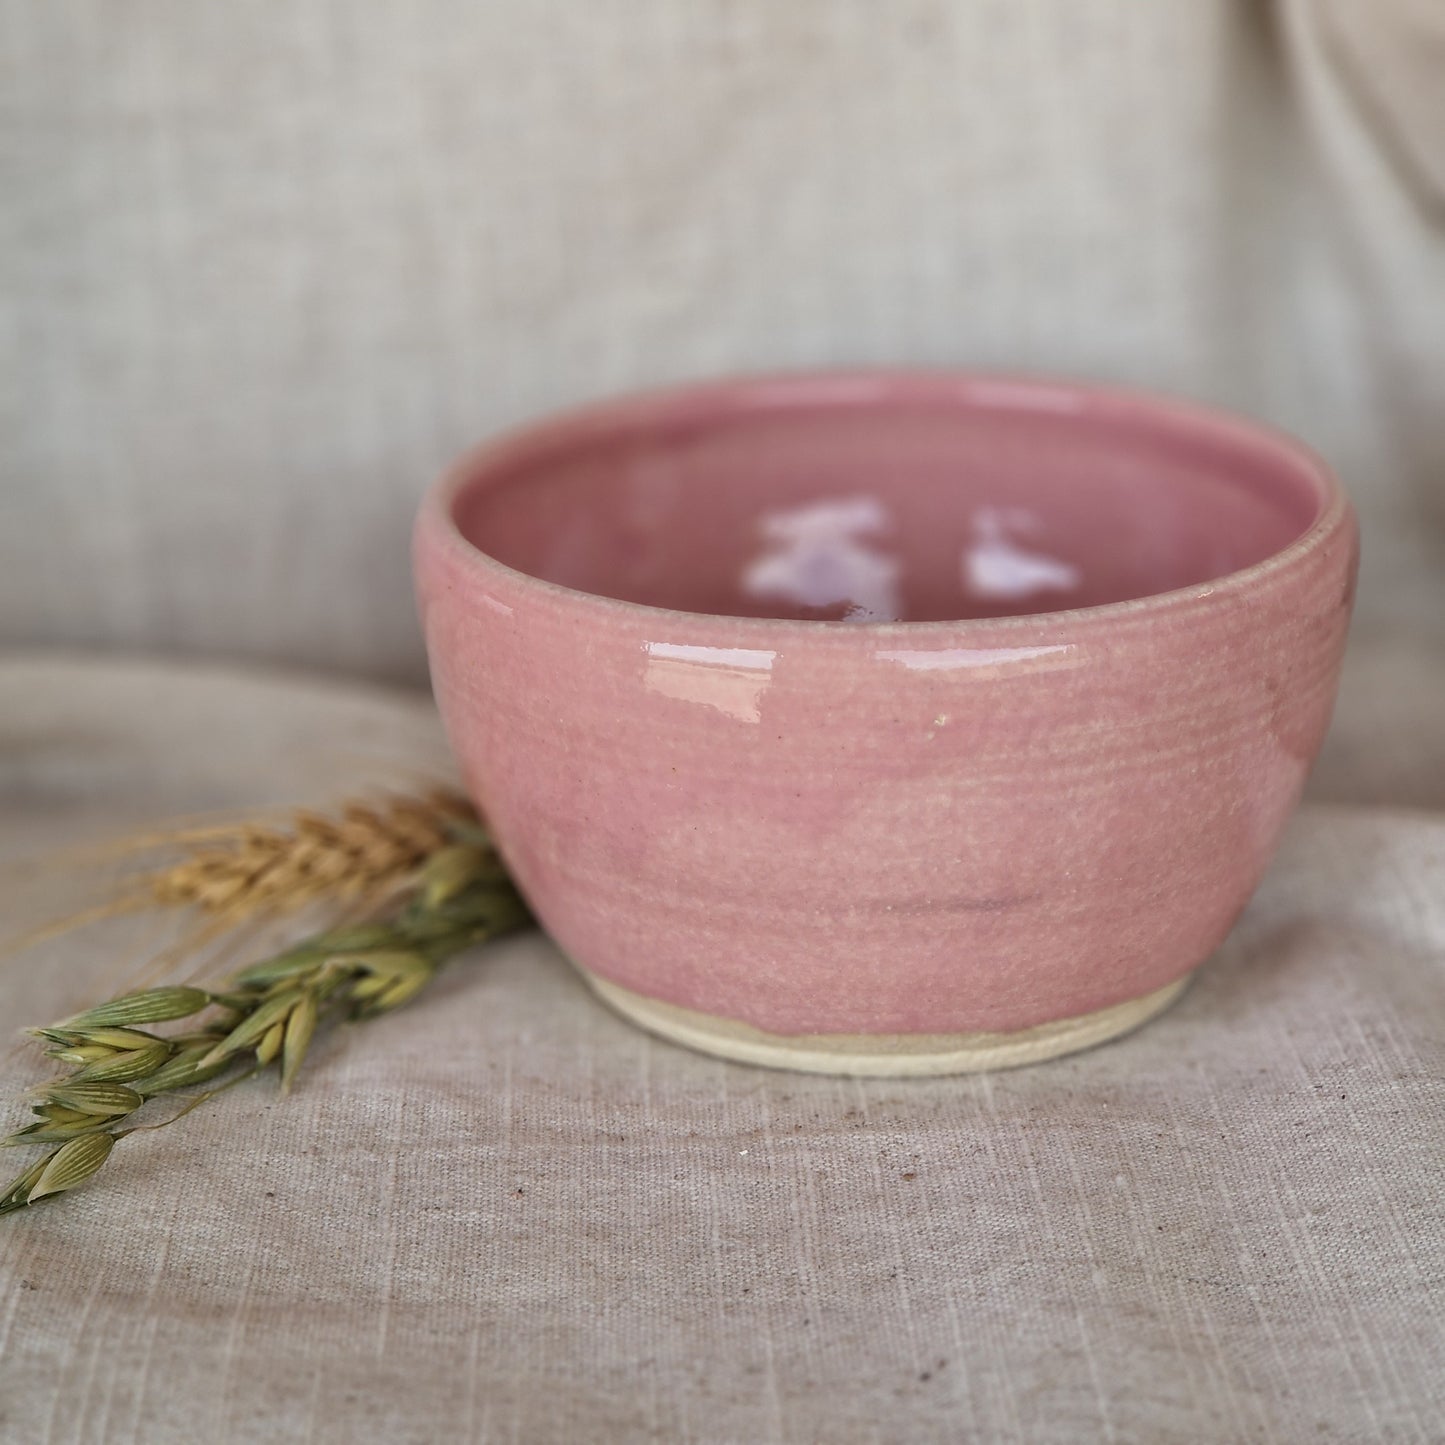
892	505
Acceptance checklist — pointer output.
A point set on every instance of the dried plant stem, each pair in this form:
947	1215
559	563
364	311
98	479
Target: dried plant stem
446	890
255	868
364	853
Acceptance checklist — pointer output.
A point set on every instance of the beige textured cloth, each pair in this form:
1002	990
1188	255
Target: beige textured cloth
265	268
504	1215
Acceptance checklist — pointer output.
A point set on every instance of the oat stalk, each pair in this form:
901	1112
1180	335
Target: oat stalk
443	887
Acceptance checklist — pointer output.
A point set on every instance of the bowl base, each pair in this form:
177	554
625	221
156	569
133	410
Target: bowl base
882	1055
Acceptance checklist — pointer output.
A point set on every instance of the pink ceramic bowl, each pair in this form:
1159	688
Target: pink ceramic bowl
887	722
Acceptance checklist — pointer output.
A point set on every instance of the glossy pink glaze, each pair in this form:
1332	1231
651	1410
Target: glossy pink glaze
863	826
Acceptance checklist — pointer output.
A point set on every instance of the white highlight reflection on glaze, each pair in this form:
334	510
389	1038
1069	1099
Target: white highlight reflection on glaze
730	679
995	565
948	659
820	556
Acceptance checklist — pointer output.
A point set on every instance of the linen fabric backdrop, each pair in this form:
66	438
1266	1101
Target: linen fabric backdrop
264	269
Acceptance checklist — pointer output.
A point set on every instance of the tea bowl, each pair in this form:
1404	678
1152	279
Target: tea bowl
887	722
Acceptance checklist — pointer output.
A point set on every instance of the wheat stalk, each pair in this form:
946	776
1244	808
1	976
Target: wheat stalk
243	871
363	853
425	861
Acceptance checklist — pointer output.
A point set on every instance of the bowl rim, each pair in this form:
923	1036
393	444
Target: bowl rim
563	429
